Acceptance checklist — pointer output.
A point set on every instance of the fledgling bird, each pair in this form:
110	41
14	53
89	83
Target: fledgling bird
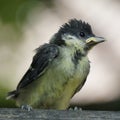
59	68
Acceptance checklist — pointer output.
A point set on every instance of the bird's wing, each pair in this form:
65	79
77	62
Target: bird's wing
44	56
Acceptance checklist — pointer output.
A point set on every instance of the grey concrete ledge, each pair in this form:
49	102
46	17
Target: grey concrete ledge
37	114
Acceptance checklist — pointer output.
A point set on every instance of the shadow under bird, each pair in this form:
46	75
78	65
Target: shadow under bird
59	68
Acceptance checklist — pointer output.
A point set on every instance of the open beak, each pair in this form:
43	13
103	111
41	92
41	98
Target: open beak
94	40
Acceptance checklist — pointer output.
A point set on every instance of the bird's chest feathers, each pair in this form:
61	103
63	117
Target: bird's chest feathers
72	64
72	69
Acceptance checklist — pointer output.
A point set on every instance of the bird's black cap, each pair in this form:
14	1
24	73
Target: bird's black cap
73	27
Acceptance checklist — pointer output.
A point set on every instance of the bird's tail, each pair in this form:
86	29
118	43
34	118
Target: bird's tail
12	95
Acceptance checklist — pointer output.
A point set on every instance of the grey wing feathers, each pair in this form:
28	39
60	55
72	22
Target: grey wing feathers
45	55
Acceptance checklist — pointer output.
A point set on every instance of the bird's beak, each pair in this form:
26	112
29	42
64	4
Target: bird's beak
94	40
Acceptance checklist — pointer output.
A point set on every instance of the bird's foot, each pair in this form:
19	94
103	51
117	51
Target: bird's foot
26	107
75	108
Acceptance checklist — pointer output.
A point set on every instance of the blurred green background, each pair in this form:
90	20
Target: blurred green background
26	24
13	16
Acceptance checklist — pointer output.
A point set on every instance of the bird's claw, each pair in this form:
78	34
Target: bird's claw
26	107
75	108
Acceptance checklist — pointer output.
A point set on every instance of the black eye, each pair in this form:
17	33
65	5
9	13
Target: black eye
82	34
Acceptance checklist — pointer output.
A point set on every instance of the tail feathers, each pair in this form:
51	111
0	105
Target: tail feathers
12	95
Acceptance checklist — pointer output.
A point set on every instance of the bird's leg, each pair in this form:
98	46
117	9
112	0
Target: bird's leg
26	107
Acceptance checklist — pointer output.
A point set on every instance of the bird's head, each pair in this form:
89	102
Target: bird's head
76	34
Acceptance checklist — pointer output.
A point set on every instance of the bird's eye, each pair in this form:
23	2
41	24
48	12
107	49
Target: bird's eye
82	34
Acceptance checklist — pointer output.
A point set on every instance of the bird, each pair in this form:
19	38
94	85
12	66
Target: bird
58	70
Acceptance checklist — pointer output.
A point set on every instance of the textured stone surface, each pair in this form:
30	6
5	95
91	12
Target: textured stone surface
18	114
